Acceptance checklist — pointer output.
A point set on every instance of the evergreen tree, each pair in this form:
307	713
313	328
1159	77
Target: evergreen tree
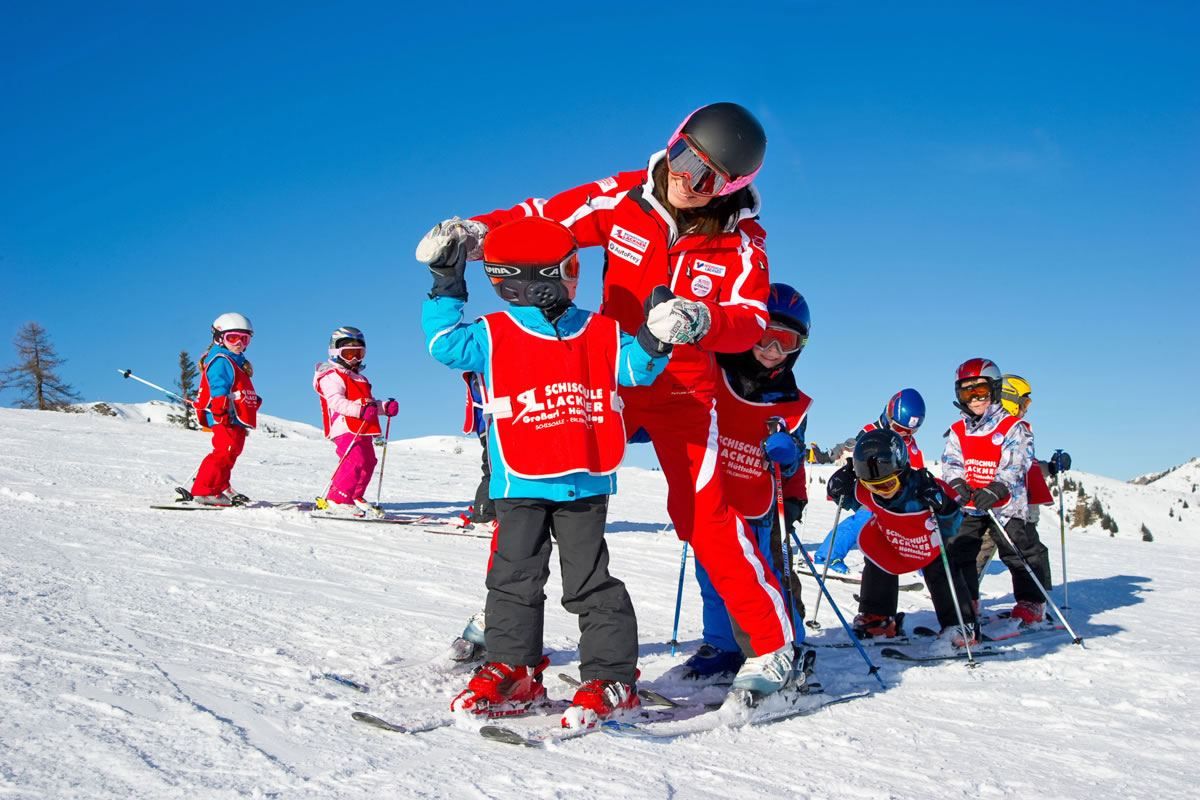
186	384
1146	535
35	374
1082	516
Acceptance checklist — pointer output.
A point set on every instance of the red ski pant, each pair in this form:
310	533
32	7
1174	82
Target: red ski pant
213	475
683	428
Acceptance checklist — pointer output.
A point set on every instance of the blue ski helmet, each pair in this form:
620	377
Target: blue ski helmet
906	409
788	307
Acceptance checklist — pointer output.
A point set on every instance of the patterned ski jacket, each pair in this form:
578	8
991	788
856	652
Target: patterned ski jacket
1016	457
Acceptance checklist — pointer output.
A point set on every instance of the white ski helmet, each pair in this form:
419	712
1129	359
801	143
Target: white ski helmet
228	322
347	336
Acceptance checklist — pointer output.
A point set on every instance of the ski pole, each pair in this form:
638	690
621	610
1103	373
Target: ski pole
983	569
1062	533
874	670
679	599
786	578
813	623
962	626
1075	638
387	433
128	373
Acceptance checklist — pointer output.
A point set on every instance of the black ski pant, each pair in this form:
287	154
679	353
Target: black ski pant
881	591
608	637
964	551
484	510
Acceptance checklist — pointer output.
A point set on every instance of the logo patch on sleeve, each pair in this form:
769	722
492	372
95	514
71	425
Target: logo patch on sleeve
624	252
607	184
630	239
701	285
712	269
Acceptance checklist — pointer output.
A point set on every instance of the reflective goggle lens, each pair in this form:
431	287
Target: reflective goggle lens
886	485
702	177
786	339
236	337
900	429
980	391
352	353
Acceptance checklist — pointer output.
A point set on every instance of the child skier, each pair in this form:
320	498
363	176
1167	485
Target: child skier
228	405
556	437
903	414
1016	395
986	461
350	414
906	506
761	417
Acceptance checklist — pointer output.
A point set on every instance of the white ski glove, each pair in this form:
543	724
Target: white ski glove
439	247
679	321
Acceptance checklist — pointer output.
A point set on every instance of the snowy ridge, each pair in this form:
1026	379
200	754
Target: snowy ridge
161	654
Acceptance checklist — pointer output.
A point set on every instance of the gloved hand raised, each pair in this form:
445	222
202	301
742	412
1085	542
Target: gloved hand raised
679	321
989	495
440	247
389	407
841	486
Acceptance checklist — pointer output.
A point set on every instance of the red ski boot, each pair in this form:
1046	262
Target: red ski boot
598	700
502	690
1028	612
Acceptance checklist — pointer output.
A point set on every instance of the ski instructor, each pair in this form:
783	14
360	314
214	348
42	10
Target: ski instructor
689	220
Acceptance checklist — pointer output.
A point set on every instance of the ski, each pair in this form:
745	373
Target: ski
550	737
383	724
381	520
347	682
452	531
978	652
915	586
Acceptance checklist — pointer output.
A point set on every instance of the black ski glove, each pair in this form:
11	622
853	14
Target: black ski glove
934	496
961	489
989	495
649	342
450	281
793	510
841	486
1059	462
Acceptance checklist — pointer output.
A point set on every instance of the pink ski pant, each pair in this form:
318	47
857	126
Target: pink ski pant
354	475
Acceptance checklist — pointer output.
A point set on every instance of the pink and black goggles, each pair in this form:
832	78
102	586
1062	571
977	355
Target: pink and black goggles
236	337
704	177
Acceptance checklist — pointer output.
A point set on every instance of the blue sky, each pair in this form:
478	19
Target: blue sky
1019	181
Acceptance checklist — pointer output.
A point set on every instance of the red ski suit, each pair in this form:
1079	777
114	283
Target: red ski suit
728	273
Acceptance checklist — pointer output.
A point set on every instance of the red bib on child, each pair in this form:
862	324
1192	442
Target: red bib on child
898	542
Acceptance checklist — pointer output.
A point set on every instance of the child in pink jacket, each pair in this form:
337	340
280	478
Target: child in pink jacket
351	416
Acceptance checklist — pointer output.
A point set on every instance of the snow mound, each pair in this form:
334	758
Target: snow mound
160	412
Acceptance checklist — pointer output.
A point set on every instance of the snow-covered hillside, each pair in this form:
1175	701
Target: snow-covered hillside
165	654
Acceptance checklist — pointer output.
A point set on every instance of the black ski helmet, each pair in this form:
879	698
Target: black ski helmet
879	454
730	136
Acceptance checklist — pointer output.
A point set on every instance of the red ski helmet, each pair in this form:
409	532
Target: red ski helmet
974	368
532	261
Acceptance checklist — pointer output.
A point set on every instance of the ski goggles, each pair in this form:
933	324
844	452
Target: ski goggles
353	352
236	337
978	391
565	270
900	429
887	485
785	339
702	175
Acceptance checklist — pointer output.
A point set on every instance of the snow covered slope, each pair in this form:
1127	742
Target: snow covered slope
167	654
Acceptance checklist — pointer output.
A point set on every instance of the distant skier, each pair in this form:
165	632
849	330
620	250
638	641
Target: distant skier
758	392
903	414
550	376
1016	395
350	415
911	515
226	403
987	460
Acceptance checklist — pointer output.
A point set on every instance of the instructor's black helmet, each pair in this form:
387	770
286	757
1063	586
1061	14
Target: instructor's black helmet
730	137
879	454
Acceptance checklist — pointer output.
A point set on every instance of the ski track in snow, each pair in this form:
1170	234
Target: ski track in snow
165	654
